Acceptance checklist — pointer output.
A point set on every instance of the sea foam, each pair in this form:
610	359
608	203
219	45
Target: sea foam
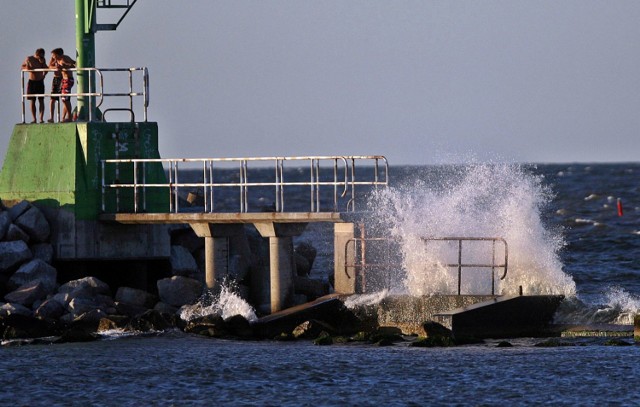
479	200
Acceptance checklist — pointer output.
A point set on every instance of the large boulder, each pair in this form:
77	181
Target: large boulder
27	294
134	296
14	309
18	209
87	286
15	233
5	222
179	291
35	270
33	222
50	309
182	262
12	254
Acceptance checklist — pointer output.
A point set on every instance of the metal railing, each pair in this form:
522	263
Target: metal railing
460	265
94	98
360	264
342	183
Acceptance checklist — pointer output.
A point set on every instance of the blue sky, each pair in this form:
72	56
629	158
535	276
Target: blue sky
421	82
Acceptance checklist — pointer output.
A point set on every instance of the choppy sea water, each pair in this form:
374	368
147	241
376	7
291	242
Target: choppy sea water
567	237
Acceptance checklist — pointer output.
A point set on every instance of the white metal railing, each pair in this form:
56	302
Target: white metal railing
343	181
360	265
94	98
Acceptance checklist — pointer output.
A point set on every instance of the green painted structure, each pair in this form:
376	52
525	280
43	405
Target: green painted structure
58	167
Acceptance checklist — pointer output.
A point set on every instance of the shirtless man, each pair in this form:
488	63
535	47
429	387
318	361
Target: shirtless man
63	63
56	87
35	86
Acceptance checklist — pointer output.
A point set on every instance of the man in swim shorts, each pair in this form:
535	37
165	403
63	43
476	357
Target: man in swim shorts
35	86
56	87
63	63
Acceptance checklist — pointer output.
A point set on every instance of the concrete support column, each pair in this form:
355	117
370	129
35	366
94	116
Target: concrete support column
216	246
344	277
216	259
281	267
281	264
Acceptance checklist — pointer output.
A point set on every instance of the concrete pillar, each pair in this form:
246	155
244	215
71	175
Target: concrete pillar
216	246
216	260
344	278
636	328
281	264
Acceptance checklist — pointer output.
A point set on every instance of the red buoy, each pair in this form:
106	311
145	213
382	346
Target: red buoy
620	212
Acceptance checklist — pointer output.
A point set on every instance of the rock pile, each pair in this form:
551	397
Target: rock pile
37	305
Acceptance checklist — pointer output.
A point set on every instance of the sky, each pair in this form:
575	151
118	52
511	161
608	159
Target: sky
420	82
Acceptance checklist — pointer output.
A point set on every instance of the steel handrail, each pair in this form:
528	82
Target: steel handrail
99	93
363	265
460	265
340	184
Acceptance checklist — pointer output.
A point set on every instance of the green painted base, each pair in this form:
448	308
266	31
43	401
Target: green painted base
59	166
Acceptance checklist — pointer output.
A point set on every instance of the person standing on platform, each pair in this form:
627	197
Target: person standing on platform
35	86
63	64
56	87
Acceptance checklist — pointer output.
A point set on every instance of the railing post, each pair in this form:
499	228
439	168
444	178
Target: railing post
459	265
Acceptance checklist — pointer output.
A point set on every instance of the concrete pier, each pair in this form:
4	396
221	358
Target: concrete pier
278	227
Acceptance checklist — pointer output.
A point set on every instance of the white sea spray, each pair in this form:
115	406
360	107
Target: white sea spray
225	304
360	300
479	200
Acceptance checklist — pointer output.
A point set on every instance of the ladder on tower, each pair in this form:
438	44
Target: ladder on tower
123	5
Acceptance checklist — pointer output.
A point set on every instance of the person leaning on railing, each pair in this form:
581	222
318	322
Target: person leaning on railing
56	86
35	86
63	63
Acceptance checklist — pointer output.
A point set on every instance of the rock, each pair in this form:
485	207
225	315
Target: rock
208	325
43	251
433	329
303	268
15	233
5	222
33	222
79	333
18	209
35	270
50	309
433	341
87	286
91	317
81	305
27	294
151	320
323	339
12	254
312	329
165	308
310	287
130	310
14	309
182	262
307	251
134	296
16	326
179	291
238	325
113	322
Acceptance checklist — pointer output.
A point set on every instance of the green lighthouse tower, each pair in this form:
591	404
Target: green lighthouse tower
59	166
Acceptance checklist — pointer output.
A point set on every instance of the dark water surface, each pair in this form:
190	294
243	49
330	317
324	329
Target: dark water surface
199	371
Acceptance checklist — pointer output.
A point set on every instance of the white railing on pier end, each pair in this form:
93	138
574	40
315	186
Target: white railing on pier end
331	181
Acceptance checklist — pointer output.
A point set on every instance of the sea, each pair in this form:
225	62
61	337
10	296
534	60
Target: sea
572	229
